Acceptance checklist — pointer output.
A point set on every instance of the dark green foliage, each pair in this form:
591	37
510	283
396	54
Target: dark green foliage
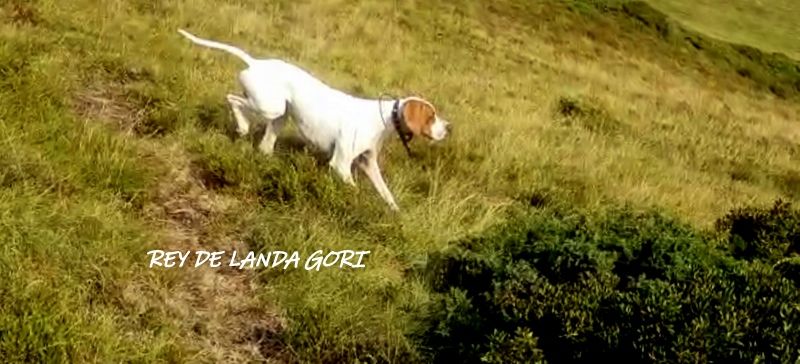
757	233
635	286
649	17
789	183
789	268
589	114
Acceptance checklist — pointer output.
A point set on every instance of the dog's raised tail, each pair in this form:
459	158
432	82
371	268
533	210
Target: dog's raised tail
217	45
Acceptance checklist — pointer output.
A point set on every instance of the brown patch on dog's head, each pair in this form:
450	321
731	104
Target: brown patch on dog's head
419	115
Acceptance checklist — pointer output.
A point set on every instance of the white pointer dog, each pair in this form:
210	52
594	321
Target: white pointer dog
349	129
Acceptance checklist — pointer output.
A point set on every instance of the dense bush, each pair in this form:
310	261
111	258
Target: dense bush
770	234
639	286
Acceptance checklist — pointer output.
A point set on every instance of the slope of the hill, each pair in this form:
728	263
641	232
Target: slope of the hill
768	25
114	141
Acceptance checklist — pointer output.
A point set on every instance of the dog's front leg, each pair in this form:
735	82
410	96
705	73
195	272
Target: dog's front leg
342	164
273	128
369	164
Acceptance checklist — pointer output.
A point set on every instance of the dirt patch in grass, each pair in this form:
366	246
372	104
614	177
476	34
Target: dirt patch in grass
106	98
223	313
125	97
21	13
109	104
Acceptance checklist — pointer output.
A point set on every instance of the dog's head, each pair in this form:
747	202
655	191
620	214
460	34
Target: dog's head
421	118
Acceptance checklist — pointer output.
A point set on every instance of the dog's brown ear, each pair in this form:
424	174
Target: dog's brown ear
419	116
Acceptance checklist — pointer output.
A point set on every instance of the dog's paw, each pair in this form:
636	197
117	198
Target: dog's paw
350	181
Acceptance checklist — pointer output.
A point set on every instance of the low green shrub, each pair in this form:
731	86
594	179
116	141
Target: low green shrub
589	114
640	286
758	233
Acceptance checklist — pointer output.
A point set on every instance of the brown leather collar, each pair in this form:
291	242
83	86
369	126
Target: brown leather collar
401	127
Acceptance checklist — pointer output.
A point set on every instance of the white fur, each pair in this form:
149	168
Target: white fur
349	129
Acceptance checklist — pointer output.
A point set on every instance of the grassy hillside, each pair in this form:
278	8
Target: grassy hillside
769	25
115	140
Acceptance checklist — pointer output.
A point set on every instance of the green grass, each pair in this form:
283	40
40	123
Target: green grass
767	24
113	140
